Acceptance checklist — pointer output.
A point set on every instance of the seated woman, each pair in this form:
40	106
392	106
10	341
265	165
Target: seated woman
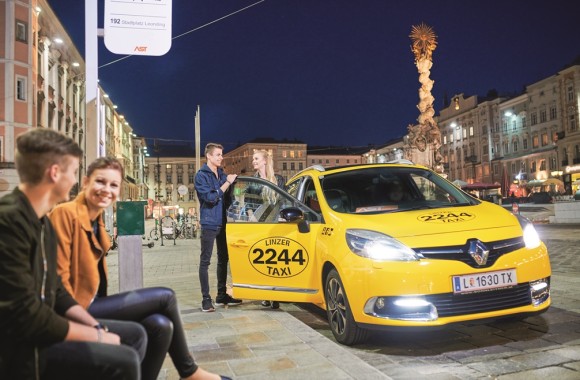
83	243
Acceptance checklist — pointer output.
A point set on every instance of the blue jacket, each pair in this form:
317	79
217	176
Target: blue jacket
211	197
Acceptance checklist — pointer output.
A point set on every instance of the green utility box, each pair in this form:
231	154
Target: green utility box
131	218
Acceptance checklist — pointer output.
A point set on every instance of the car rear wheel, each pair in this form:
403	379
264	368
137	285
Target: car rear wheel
343	326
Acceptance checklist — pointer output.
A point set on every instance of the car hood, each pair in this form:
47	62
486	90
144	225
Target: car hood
442	226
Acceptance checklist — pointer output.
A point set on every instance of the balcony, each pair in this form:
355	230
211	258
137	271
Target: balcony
472	158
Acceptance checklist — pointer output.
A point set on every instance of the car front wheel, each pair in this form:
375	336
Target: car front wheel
343	326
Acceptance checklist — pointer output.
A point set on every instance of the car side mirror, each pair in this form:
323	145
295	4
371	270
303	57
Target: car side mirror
294	214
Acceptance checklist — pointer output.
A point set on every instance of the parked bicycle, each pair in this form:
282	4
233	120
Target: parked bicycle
186	230
165	228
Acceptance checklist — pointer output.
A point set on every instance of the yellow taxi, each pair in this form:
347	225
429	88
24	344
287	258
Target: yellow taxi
378	246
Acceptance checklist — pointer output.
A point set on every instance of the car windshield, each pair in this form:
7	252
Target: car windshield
390	189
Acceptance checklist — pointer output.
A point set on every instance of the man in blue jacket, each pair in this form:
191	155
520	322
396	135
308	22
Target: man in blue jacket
44	333
211	183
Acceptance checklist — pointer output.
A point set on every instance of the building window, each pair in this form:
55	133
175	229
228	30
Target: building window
570	93
495	169
464	133
506	148
284	166
327	161
337	161
572	123
444	139
523	121
544	139
291	154
470	131
533	167
292	166
535	141
168	178
514	125
179	178
543	117
21	88
284	154
525	143
553	113
542	164
534	118
515	145
191	194
312	161
505	125
300	166
451	137
21	31
553	163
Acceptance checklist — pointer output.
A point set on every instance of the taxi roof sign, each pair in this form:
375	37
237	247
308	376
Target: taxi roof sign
138	28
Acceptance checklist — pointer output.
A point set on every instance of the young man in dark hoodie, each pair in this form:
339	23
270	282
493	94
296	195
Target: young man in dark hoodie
211	182
44	333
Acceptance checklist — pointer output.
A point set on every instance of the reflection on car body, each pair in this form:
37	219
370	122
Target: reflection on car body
384	246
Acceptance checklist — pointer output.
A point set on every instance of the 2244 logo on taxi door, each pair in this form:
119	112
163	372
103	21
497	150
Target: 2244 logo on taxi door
278	257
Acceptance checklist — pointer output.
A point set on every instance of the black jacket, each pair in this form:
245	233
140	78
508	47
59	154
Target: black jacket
30	313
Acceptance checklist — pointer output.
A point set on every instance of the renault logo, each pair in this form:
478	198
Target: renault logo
478	251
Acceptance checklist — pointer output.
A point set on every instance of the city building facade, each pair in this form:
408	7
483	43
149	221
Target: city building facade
328	156
289	157
41	79
169	179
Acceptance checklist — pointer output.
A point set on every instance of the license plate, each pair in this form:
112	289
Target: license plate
484	281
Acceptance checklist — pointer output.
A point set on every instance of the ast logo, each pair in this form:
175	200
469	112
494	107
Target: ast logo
278	257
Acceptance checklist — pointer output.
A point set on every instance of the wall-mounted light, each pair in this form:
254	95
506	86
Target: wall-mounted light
456	101
58	40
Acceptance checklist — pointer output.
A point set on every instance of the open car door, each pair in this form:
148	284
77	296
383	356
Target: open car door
271	243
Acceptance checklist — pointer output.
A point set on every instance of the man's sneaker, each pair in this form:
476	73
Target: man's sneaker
227	300
207	305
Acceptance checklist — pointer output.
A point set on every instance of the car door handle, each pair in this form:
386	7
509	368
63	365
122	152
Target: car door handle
240	244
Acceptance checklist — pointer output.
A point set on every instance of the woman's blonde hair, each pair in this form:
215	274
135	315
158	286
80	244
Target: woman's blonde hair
267	193
269	164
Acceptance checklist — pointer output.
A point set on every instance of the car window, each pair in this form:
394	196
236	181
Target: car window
385	189
256	200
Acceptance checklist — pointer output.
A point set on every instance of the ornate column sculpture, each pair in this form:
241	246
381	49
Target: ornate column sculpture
425	137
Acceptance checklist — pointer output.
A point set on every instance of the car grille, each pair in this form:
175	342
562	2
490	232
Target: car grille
460	252
450	304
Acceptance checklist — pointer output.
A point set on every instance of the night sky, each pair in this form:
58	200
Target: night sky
325	72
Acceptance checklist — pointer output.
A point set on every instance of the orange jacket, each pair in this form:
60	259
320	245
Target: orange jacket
79	251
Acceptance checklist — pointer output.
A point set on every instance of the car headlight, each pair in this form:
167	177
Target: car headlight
531	237
378	246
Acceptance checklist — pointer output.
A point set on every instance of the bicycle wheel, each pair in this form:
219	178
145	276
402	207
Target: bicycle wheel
154	234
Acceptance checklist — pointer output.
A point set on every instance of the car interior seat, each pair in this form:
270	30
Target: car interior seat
336	199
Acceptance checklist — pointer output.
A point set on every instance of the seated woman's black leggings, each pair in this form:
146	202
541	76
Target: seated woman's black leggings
156	309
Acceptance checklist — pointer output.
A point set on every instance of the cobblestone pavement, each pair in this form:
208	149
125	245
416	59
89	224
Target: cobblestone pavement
250	342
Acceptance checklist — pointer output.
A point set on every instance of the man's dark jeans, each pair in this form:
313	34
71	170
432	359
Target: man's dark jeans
89	360
207	240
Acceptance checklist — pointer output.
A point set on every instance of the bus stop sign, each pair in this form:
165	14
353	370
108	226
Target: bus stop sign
138	28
